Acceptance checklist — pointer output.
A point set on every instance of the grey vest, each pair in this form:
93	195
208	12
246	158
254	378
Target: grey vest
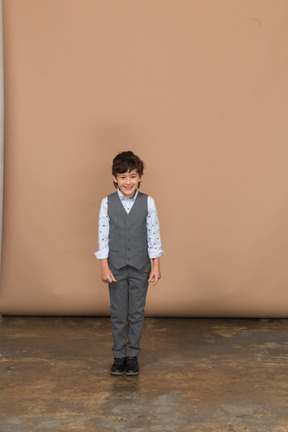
128	232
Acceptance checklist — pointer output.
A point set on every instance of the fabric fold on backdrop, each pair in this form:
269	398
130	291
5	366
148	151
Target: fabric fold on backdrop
1	129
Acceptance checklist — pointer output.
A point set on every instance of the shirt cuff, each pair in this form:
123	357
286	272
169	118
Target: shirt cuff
155	253
102	254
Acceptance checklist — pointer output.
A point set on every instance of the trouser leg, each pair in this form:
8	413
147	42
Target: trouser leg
138	285
119	298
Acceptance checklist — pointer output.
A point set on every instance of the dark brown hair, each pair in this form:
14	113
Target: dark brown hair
127	161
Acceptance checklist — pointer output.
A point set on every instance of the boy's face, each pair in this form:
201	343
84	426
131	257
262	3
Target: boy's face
128	183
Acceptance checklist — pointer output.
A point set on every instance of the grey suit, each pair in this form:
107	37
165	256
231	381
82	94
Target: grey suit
130	265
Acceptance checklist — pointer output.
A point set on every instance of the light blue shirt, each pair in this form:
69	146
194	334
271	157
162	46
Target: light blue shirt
152	224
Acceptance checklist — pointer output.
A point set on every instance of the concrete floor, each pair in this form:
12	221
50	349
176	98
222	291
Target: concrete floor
202	375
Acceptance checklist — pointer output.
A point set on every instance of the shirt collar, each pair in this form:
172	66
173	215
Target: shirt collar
122	197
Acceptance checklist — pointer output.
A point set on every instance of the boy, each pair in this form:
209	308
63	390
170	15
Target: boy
129	238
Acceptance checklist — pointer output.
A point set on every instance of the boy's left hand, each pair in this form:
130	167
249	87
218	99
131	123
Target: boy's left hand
155	274
154	277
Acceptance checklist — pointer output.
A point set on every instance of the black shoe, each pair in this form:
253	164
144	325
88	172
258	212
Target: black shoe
118	366
132	367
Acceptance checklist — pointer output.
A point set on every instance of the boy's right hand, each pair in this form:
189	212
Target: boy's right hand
108	277
106	274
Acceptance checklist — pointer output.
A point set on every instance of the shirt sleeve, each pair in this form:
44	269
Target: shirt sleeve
103	231
153	231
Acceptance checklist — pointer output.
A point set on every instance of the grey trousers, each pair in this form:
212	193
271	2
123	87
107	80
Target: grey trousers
127	303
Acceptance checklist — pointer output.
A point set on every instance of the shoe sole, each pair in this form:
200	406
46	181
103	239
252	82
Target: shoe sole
132	373
116	373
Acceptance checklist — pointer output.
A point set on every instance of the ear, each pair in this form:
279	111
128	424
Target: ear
115	179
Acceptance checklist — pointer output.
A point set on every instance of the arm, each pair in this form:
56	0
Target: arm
154	241
103	241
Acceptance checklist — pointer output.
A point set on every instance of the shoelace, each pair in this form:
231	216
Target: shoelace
132	360
119	360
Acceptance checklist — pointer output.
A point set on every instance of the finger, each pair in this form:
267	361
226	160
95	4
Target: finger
110	278
107	279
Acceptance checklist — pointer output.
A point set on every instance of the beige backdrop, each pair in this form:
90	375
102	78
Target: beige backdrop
199	90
